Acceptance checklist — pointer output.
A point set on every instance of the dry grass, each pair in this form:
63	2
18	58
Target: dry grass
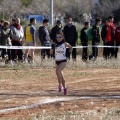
39	73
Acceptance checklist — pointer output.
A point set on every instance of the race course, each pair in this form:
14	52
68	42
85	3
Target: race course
31	93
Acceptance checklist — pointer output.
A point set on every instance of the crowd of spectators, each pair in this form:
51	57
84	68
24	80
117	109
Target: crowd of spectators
13	34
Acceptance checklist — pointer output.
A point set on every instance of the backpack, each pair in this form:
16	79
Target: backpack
89	34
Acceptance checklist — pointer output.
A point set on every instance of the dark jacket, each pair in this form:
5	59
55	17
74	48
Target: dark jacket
104	33
70	34
117	34
43	35
83	35
96	34
53	32
0	33
5	36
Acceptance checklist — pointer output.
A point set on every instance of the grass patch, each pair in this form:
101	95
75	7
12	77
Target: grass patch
118	111
80	115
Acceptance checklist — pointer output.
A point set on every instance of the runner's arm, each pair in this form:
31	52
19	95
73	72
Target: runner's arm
69	46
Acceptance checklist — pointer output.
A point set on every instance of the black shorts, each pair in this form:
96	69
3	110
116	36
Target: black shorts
58	62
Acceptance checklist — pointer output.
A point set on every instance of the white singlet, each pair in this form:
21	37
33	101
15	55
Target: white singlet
60	52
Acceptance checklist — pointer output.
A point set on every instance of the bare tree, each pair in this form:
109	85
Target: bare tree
10	7
73	8
107	7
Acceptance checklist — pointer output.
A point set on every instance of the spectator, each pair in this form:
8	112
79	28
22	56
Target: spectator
17	39
13	21
111	18
96	37
107	35
44	39
117	39
84	40
70	35
6	33
1	25
54	30
30	33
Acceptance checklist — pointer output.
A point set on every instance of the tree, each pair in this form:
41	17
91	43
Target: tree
107	7
10	9
72	8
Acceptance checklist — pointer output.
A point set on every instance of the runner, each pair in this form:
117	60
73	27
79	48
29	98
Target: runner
60	58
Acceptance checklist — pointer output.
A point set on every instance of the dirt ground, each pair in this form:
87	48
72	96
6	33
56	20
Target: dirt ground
27	93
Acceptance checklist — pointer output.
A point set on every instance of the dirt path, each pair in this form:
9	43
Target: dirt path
31	92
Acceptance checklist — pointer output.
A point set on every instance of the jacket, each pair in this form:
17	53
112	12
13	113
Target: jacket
18	33
117	34
43	35
83	35
53	32
70	34
5	36
96	34
104	33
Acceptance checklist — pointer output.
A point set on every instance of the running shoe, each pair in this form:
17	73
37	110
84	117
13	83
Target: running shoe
65	91
59	88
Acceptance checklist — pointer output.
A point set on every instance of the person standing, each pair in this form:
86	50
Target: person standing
117	39
60	58
96	37
111	18
30	33
1	26
44	39
6	33
54	30
84	41
107	35
17	37
70	35
13	22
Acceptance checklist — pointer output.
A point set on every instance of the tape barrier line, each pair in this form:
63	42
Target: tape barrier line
43	47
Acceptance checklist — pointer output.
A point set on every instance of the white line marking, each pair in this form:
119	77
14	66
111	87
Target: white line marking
54	100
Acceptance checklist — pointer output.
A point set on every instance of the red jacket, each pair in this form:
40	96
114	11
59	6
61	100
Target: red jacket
113	25
117	34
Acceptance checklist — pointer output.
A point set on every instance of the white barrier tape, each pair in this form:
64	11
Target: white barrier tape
43	47
24	47
99	46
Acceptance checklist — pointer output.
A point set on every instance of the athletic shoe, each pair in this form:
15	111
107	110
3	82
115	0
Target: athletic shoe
65	91
59	88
